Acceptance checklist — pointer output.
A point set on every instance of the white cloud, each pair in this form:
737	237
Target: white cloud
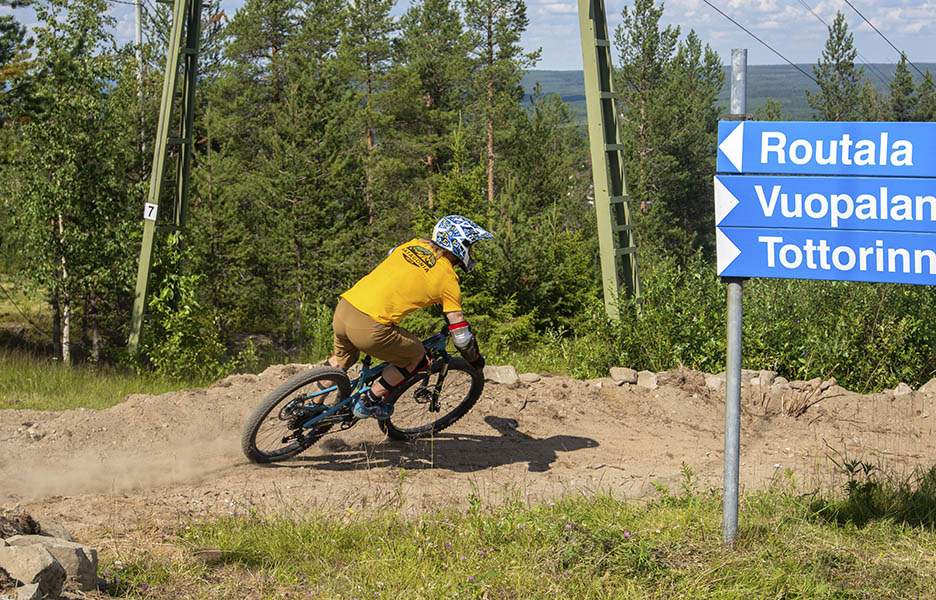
558	8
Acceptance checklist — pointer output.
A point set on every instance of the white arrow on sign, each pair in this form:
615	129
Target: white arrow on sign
725	249
733	146
725	201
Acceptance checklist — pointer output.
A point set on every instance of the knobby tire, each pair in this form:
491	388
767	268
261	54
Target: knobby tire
460	391
280	416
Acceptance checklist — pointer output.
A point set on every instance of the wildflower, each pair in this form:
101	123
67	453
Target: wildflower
448	545
144	587
568	526
350	511
627	535
471	578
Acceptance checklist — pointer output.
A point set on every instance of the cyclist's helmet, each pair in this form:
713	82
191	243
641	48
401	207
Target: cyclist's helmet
457	234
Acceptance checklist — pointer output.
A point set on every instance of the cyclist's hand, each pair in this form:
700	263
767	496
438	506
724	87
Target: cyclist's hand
478	363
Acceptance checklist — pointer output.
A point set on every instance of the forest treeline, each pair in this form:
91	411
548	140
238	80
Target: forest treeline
327	132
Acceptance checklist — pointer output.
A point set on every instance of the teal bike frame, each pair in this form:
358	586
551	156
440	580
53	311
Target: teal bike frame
341	411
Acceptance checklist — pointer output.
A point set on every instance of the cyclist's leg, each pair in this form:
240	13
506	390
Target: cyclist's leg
405	354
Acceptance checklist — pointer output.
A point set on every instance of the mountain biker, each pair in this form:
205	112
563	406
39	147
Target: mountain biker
414	275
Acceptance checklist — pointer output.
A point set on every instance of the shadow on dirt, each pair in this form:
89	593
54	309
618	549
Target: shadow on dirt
460	453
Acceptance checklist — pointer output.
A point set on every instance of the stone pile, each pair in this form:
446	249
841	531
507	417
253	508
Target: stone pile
769	382
38	560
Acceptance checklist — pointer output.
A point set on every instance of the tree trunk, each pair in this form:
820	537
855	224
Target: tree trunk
66	304
490	108
95	328
56	325
368	161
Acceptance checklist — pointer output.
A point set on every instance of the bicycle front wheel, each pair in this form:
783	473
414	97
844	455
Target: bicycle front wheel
274	431
417	414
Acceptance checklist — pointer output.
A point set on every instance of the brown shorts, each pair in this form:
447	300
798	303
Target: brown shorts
356	332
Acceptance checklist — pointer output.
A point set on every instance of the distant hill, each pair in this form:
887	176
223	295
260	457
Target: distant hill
781	82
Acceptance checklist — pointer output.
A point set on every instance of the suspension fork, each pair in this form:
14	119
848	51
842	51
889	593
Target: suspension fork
437	388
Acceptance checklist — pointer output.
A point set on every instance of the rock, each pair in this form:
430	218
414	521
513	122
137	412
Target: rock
714	382
17	522
929	387
28	592
902	389
623	375
647	379
34	564
51	528
764	378
781	381
529	377
604	383
505	375
80	562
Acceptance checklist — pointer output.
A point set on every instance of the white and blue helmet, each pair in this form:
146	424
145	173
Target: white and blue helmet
456	234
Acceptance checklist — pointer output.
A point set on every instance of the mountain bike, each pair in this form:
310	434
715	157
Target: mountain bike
310	404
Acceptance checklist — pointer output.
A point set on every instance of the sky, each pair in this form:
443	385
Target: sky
793	28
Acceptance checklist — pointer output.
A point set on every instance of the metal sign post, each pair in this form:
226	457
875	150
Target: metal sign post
733	358
839	201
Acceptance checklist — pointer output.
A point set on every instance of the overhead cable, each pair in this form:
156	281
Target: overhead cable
768	46
899	51
865	61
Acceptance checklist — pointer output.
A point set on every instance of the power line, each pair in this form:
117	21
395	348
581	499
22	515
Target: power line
900	52
768	46
882	76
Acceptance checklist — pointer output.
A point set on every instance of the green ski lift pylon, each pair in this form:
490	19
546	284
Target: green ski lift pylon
181	70
616	242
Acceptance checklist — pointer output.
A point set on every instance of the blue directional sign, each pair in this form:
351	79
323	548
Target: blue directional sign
835	203
813	254
838	201
817	148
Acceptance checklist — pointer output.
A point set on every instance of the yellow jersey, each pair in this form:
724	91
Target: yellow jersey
410	278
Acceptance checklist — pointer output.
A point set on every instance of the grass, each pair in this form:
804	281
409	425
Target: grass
31	382
576	547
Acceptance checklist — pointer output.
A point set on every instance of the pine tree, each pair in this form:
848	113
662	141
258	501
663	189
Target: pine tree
838	79
496	27
366	45
903	95
926	106
429	83
872	106
772	110
285	201
667	90
14	61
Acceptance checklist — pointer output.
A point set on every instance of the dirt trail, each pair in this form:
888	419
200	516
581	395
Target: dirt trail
156	461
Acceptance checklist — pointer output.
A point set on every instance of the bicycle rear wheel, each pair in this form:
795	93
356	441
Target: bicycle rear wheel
274	431
413	417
